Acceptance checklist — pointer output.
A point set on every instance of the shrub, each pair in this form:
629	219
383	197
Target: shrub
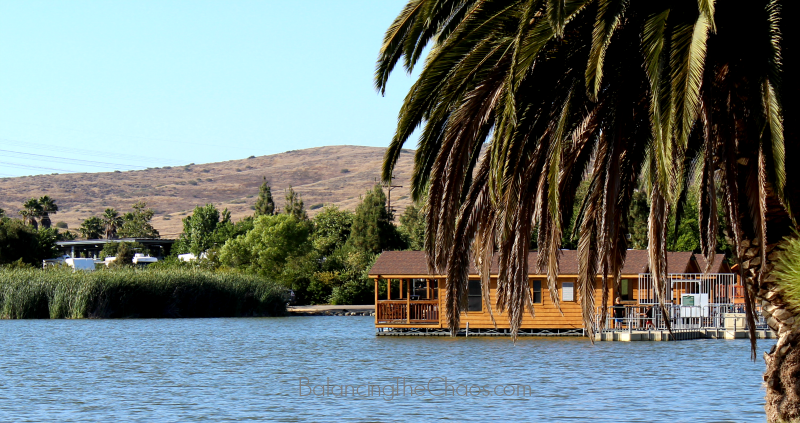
175	292
787	271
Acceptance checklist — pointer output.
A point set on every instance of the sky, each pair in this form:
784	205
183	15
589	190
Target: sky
93	86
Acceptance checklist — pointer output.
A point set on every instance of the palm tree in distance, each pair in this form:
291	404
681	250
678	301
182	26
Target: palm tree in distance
31	211
48	206
679	95
111	222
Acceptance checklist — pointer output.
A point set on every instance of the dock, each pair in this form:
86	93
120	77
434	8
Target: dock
606	335
680	335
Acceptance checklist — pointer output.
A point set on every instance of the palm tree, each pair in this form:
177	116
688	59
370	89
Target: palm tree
678	94
31	211
48	206
111	221
91	228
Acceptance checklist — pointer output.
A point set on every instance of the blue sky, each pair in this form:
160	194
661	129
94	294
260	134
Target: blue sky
103	85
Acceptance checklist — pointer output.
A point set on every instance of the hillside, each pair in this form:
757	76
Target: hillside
324	175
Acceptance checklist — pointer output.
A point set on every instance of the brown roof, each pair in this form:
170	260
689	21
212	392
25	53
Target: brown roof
636	261
719	265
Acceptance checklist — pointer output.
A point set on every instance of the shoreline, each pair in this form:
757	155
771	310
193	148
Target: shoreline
331	310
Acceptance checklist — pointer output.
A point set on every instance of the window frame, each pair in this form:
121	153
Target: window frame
572	290
625	289
471	296
536	291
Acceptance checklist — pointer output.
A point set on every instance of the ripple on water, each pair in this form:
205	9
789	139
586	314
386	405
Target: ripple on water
250	369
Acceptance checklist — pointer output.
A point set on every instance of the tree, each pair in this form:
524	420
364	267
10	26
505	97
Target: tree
112	221
47	207
668	90
18	241
412	227
123	253
91	228
199	229
294	205
31	211
264	204
273	243
331	229
372	229
637	220
136	224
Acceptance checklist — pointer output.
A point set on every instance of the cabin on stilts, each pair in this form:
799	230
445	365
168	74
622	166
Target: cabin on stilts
409	299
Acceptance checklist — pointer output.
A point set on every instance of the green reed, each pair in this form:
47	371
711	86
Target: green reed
64	294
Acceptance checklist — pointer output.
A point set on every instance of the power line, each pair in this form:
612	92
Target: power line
224	144
35	167
87	152
76	161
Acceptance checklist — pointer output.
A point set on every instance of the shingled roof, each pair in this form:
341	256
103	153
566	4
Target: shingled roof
414	263
718	266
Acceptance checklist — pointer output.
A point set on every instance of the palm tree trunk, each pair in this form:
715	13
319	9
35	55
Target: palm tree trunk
782	375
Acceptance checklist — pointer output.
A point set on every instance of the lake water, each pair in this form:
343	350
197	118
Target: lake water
274	368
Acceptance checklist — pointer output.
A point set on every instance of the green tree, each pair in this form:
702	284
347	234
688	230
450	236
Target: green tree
199	228
123	254
91	228
136	224
46	239
412	227
294	205
31	211
226	229
112	221
619	88
48	206
637	220
372	229
264	204
273	242
18	241
331	229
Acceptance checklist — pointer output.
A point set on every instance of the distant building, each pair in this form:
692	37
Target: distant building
91	248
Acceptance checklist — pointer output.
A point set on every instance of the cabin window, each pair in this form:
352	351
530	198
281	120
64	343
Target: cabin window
568	291
474	298
624	290
537	292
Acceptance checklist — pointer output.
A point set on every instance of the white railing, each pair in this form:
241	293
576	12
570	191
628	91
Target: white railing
649	317
707	288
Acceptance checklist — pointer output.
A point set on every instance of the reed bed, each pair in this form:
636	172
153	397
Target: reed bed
145	293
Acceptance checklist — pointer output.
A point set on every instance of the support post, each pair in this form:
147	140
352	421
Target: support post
408	303
377	285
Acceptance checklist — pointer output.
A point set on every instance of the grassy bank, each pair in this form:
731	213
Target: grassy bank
58	294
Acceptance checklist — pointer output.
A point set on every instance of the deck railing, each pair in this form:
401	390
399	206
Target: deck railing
715	316
402	311
717	288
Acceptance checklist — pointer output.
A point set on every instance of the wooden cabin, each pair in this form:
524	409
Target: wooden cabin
407	296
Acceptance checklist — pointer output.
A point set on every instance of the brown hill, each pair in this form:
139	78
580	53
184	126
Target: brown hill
325	175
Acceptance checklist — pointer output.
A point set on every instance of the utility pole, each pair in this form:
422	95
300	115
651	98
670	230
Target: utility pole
389	189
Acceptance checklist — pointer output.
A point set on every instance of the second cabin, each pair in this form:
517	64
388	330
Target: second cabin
408	297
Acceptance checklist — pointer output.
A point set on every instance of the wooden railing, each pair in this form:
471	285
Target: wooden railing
398	311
